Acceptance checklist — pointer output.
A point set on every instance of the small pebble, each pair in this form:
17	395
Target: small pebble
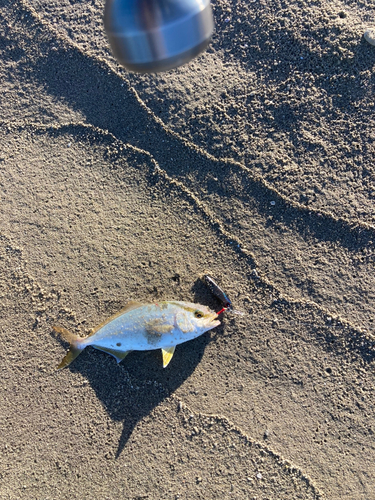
370	36
254	273
259	475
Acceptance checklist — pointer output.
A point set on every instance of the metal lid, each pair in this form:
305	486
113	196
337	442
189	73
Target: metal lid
157	35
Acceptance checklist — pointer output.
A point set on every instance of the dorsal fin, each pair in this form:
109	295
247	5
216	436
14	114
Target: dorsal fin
129	307
167	355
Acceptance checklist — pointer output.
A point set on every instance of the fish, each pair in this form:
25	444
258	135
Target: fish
141	327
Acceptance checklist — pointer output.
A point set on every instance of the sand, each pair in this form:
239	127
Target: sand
254	163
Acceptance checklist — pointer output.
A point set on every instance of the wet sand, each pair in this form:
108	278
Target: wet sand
254	163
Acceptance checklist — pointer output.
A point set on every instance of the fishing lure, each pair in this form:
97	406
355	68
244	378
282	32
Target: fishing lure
221	295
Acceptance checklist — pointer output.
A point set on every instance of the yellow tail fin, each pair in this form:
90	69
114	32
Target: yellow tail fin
75	348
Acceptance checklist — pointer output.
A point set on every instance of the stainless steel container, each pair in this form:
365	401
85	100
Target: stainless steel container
157	35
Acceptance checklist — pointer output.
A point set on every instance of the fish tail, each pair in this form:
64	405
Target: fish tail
75	345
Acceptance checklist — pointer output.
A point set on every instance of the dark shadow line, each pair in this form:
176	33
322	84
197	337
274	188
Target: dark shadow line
335	337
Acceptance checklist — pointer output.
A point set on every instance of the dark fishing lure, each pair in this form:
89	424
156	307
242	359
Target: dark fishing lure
221	295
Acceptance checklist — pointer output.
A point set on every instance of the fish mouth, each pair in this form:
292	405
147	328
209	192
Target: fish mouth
212	321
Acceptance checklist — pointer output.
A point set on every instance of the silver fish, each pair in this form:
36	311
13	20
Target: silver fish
141	327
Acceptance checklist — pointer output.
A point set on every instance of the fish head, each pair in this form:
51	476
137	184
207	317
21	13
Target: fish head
195	319
205	319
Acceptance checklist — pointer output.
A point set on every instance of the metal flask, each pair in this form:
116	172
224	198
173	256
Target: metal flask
147	36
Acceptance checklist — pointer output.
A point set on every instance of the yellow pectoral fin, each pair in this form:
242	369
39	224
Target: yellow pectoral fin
167	355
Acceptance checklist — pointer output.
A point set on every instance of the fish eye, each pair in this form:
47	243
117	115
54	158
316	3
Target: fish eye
198	314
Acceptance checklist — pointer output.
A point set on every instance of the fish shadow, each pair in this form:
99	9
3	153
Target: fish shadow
129	391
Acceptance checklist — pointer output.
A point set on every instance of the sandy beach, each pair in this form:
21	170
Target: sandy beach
254	163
